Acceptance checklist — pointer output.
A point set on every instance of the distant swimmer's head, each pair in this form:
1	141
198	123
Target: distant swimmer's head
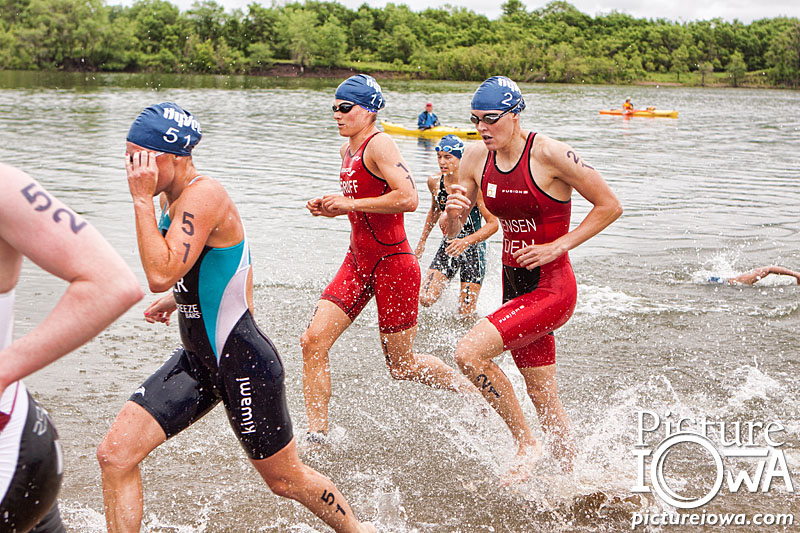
448	154
166	127
362	90
498	93
451	144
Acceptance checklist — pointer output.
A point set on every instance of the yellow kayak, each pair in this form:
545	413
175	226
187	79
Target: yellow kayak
436	131
650	112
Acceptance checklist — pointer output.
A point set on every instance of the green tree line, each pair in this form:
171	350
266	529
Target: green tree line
554	43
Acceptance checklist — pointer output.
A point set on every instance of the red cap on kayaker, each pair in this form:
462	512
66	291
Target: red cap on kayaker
428	104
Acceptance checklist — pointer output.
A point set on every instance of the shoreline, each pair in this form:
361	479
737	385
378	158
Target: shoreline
294	70
297	71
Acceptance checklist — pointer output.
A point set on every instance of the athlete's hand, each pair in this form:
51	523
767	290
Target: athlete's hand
457	202
161	309
316	208
456	247
537	255
338	204
421	250
142	174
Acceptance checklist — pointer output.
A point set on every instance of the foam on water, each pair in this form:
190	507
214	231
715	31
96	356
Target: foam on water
755	385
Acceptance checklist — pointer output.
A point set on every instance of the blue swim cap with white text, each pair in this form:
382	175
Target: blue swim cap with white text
452	145
166	127
363	90
498	93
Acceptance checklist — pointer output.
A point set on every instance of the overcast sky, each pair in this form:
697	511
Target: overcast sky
679	10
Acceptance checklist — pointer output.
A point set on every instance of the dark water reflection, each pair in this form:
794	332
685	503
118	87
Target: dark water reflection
712	193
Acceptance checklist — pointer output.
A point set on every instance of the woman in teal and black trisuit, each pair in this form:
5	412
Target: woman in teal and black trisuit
467	252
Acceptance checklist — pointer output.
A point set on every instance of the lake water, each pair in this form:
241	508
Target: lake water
713	193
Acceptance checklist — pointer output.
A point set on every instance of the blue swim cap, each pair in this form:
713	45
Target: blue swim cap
452	145
166	128
363	90
498	92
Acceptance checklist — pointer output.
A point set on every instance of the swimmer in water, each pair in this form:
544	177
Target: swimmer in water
198	252
467	252
526	180
756	275
377	188
36	225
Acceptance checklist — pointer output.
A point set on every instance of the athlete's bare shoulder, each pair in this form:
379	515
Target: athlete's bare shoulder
381	150
381	142
473	162
206	197
547	150
433	183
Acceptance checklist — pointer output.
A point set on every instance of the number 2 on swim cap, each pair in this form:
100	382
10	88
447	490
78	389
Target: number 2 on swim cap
507	99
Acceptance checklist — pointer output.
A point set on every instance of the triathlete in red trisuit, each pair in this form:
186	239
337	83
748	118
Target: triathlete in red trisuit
377	188
526	181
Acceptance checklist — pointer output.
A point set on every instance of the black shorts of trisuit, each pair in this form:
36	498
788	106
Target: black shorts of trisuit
249	380
30	501
471	263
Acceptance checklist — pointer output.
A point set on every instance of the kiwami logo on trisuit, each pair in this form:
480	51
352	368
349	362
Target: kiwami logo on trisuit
246	412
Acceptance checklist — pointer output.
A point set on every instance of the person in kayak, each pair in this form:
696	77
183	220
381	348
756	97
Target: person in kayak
467	252
377	188
757	274
627	106
427	119
100	288
197	252
526	180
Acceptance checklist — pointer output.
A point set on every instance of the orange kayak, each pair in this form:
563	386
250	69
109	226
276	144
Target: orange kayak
652	112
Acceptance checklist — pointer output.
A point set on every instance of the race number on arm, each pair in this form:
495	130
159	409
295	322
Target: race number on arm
35	224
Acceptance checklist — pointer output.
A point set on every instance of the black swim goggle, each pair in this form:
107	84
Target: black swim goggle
344	107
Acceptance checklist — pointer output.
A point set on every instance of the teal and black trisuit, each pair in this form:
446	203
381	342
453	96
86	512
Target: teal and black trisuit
224	357
472	261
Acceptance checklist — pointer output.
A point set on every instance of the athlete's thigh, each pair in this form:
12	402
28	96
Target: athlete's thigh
327	323
398	348
444	263
473	264
133	434
177	394
433	285
31	461
350	288
483	341
51	522
253	391
527	317
468	297
396	281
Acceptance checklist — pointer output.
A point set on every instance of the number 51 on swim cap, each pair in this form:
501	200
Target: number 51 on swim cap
166	127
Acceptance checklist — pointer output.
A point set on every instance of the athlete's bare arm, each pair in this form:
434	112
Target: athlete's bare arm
558	169
433	216
464	193
757	274
457	246
35	224
194	216
382	158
